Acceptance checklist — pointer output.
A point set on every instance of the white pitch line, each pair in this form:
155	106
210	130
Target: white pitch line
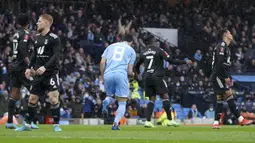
119	138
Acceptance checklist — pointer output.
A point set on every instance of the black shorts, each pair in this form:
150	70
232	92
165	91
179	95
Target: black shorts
18	79
41	84
220	86
154	86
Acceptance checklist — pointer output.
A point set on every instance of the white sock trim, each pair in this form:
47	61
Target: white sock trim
216	122
240	119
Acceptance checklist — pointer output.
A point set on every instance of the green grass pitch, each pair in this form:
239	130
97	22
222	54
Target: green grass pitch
131	134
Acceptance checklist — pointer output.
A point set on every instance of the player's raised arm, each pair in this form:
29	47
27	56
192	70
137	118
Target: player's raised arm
56	55
168	58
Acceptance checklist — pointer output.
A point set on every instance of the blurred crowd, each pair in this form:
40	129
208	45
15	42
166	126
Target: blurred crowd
86	29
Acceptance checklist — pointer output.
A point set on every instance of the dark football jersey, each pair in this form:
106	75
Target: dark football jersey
20	49
153	59
221	61
46	53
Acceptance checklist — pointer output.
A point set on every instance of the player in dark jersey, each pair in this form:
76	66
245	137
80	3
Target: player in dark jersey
20	62
153	58
45	62
221	79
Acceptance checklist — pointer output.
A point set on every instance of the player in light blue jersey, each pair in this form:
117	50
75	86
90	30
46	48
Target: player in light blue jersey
116	64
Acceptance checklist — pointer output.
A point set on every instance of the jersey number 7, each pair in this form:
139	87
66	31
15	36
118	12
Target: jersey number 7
151	61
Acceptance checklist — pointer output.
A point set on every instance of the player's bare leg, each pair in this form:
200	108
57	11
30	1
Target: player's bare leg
150	107
167	108
15	96
122	101
29	117
232	106
55	109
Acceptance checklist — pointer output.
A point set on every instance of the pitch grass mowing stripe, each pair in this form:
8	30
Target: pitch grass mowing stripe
134	134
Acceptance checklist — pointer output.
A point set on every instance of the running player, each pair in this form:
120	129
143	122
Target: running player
116	64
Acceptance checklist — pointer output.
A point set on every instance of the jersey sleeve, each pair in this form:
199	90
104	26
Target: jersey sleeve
133	57
168	58
56	54
33	55
23	45
32	59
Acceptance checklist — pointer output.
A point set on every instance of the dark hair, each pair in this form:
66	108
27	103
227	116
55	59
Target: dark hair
221	33
128	38
23	20
150	39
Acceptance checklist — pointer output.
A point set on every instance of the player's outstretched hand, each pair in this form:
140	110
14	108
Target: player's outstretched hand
41	70
28	73
189	62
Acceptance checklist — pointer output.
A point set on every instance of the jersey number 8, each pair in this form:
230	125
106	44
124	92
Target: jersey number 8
118	53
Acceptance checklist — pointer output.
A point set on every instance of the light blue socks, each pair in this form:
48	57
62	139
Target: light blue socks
120	112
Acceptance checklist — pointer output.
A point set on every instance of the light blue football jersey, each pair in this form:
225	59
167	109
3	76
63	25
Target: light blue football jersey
118	56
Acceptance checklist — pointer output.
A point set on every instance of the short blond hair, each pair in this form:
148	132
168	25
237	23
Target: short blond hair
47	17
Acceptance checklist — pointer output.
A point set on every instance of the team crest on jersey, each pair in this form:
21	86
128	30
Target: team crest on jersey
46	41
222	44
25	38
221	51
166	54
